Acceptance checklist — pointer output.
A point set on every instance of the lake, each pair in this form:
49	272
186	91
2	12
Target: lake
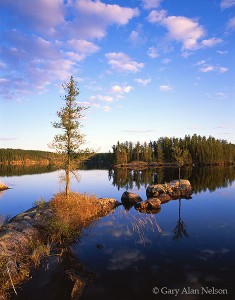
186	251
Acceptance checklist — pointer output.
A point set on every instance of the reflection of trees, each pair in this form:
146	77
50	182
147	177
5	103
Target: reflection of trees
212	178
180	229
126	178
201	178
15	170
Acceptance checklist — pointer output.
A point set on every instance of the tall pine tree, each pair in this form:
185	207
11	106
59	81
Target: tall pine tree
68	143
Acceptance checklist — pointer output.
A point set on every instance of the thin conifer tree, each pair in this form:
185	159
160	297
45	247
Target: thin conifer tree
68	143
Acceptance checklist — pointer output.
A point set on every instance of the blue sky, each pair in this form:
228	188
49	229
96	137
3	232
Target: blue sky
146	68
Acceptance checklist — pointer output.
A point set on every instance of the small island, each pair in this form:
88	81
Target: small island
3	187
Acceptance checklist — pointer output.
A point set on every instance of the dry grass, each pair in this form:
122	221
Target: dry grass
71	215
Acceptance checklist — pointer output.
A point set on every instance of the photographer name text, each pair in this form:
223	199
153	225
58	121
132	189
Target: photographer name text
190	291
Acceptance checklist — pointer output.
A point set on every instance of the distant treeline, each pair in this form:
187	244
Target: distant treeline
202	150
9	156
100	160
28	157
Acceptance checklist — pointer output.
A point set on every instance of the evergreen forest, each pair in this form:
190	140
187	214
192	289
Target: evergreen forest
9	155
202	151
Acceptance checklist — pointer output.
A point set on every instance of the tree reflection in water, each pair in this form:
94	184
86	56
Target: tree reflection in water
179	231
201	179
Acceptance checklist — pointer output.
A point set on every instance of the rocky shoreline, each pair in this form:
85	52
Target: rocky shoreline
21	238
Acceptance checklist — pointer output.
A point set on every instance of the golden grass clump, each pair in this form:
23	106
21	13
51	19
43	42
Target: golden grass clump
71	214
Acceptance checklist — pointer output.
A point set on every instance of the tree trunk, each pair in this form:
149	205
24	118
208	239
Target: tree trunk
179	178
67	183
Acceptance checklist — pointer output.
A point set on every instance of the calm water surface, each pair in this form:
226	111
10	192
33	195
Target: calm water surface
188	245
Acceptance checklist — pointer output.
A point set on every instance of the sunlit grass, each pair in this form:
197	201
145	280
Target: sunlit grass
71	215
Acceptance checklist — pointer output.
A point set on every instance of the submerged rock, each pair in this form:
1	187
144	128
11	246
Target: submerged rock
130	198
152	205
107	205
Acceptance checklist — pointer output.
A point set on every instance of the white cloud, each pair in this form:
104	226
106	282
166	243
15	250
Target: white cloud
120	90
3	80
6	139
134	37
143	81
49	51
83	46
137	37
124	259
156	16
182	29
211	42
223	70
199	63
222	52
36	63
121	62
101	98
207	69
186	54
227	3
218	95
166	61
149	4
107	108
152	52
42	15
88	103
165	88
231	23
92	18
210	68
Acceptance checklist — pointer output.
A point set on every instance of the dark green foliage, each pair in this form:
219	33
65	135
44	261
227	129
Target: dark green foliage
100	160
70	140
18	155
181	156
201	151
